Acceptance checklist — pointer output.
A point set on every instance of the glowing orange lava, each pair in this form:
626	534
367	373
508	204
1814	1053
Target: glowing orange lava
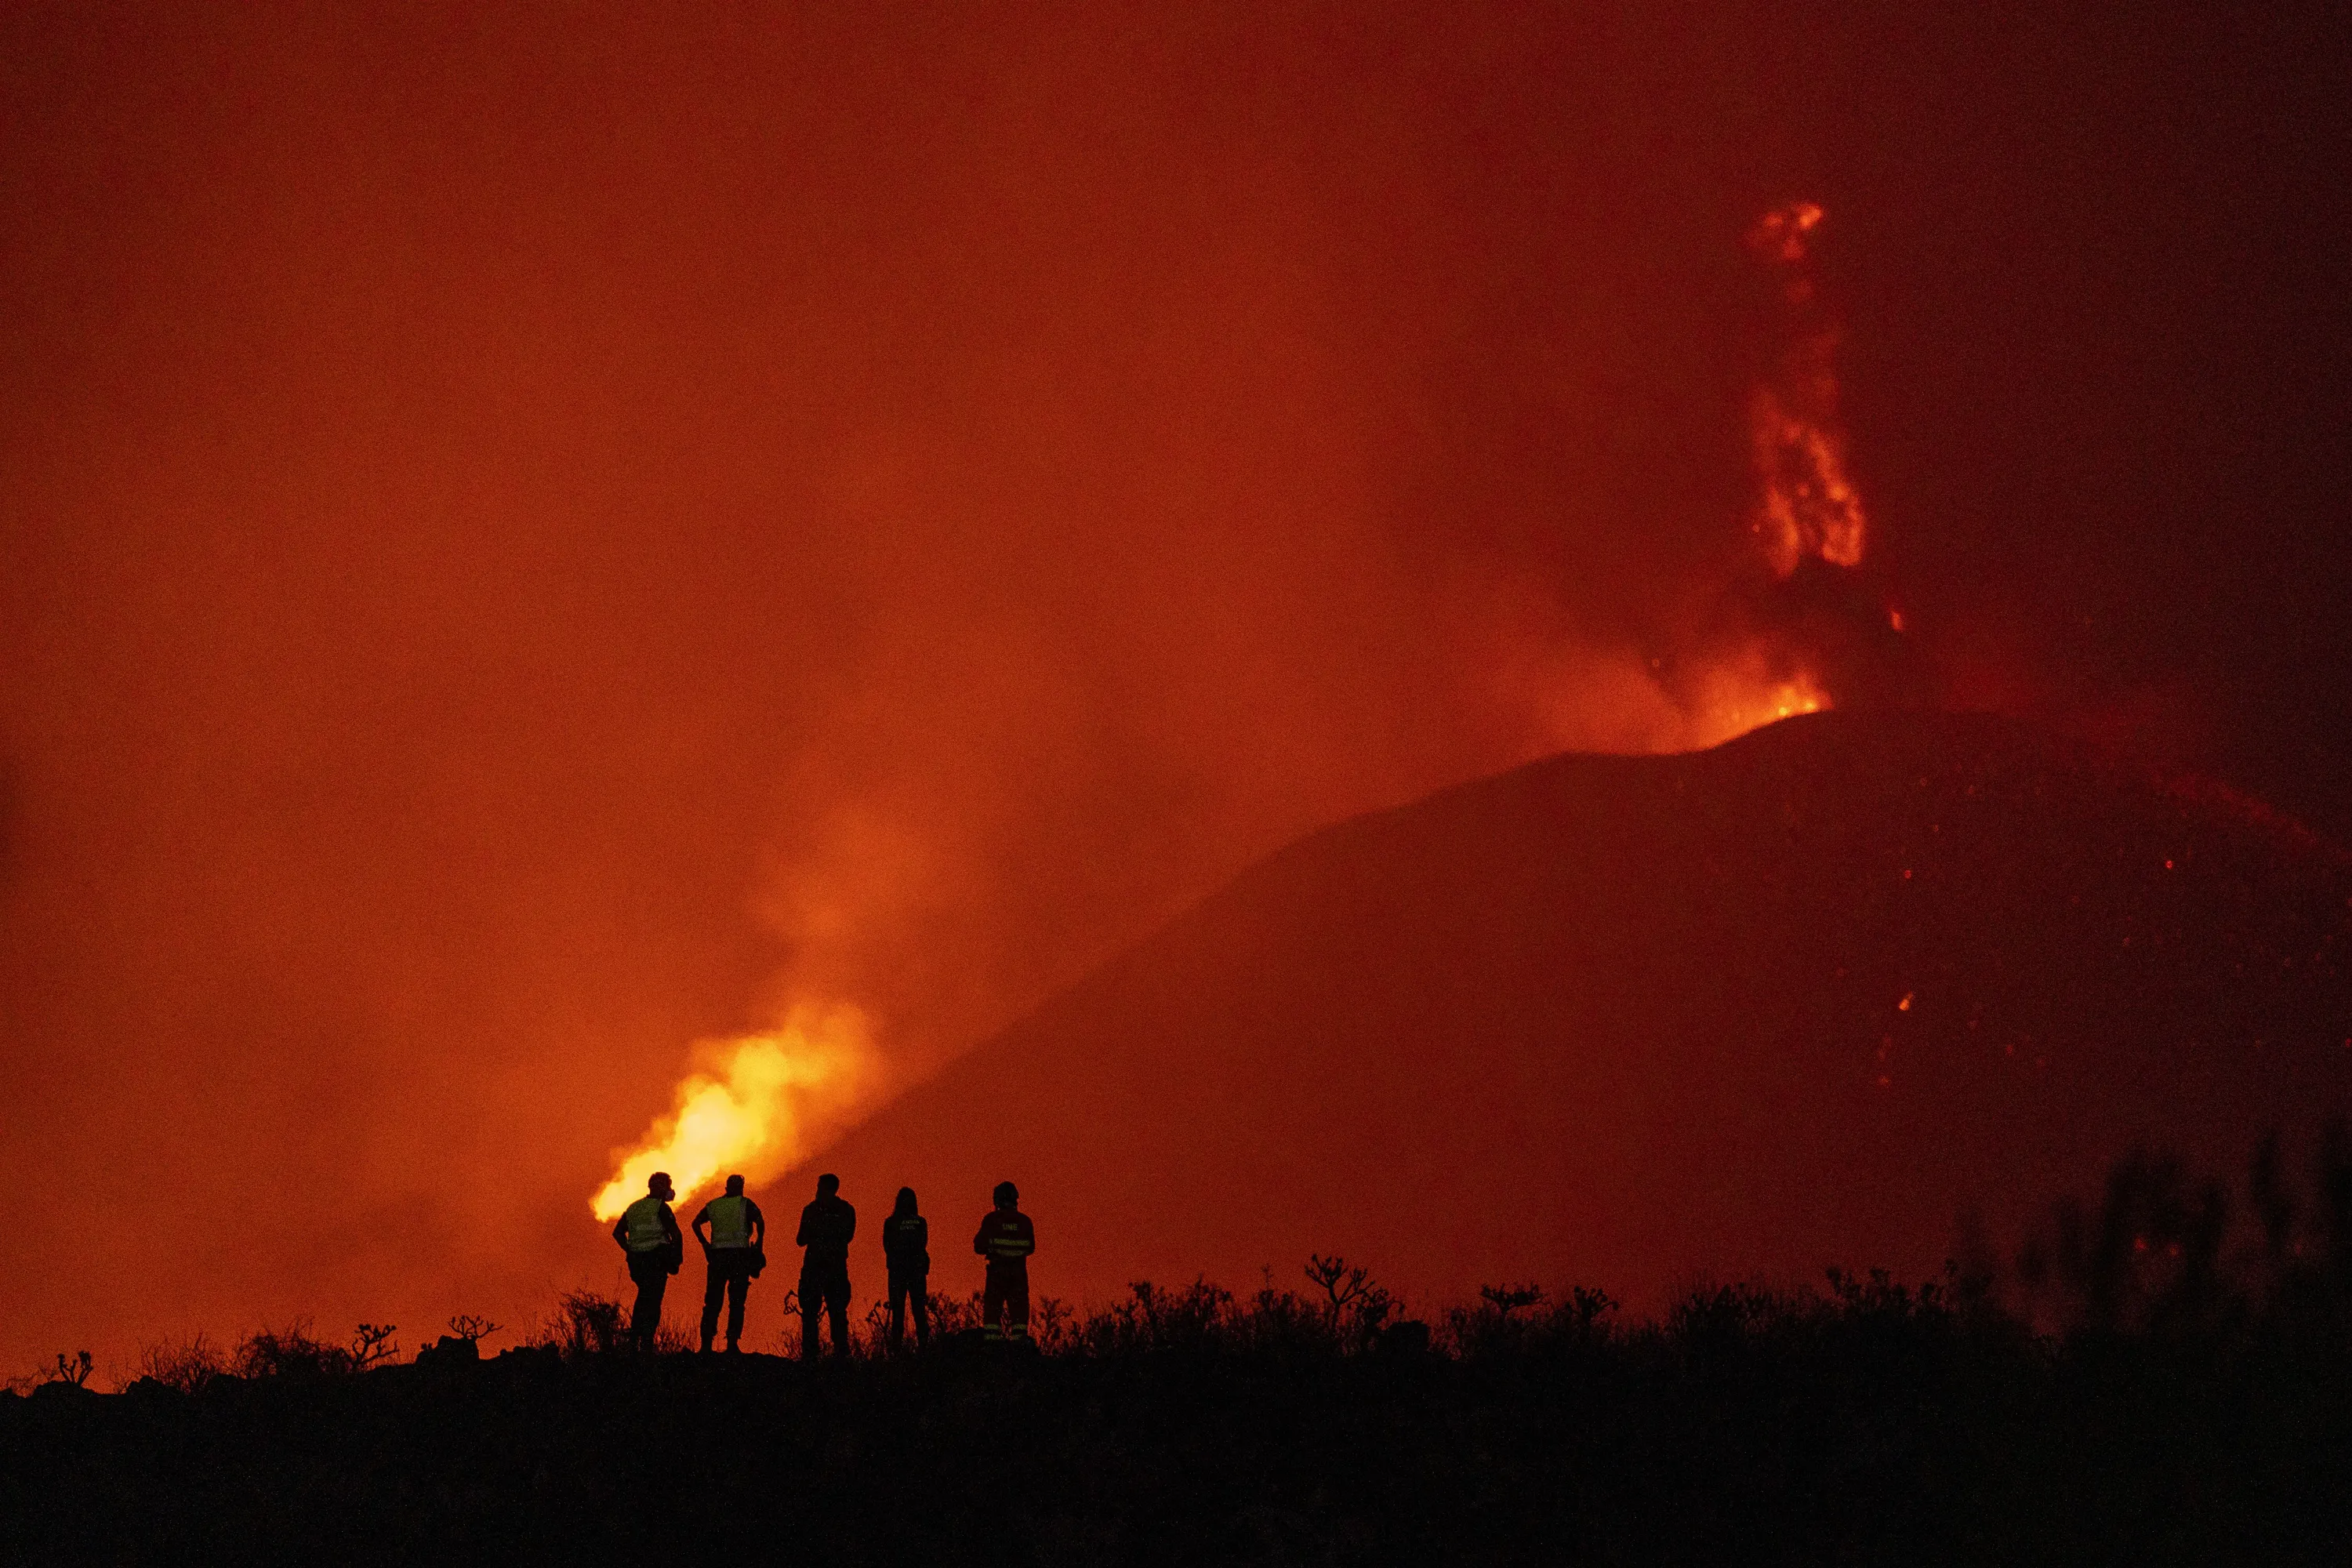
1743	694
1807	505
756	1111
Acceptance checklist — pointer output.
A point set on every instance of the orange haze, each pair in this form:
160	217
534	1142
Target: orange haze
531	544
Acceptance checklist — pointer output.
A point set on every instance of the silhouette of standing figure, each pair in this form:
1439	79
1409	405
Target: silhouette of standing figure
826	1226
906	1250
734	1248
647	1233
1006	1239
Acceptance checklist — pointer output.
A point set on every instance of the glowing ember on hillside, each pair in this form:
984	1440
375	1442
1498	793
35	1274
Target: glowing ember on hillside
754	1111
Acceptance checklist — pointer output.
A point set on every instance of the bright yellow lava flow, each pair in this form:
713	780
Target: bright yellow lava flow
752	1110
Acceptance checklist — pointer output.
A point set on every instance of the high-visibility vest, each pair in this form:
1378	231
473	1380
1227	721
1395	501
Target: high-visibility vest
642	1221
731	1221
1009	1240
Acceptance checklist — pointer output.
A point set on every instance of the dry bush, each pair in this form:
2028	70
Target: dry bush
1052	1326
1495	1324
1277	1319
187	1365
466	1326
953	1314
869	1337
586	1323
1525	1318
1356	1309
292	1351
1717	1316
71	1369
1153	1319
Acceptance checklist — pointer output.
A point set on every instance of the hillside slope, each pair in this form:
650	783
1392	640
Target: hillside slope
1804	999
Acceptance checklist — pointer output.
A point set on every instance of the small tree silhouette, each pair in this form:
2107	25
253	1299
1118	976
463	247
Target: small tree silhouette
373	1343
1579	1316
1355	1308
466	1326
1344	1284
74	1369
1509	1298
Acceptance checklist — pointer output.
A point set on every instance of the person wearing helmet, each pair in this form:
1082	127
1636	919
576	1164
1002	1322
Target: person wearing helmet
906	1252
1006	1239
826	1228
647	1233
734	1236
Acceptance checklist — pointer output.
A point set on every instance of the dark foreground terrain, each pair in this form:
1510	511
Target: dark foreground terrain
1868	1425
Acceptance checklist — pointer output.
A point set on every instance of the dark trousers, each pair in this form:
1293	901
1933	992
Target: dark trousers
905	1292
730	1277
820	1293
1004	1302
651	1271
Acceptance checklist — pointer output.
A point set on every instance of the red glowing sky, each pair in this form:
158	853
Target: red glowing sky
527	546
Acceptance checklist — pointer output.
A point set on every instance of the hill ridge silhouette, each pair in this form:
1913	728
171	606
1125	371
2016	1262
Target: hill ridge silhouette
1808	998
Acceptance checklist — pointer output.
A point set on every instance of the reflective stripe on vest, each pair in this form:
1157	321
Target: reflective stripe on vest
643	1222
731	1221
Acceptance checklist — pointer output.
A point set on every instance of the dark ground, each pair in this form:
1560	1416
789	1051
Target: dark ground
1873	1429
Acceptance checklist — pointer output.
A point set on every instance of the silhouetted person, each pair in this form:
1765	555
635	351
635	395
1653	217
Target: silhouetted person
907	1251
647	1233
734	1247
1006	1239
826	1226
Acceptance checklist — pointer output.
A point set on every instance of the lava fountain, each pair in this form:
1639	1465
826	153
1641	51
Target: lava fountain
755	1105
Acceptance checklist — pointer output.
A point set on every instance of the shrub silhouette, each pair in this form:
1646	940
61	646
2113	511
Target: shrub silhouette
1355	1308
584	1323
73	1370
292	1352
1506	1300
186	1365
466	1326
1051	1325
1497	1324
1151	1319
1282	1320
2188	1405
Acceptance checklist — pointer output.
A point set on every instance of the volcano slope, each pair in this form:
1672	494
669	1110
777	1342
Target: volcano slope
1825	995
